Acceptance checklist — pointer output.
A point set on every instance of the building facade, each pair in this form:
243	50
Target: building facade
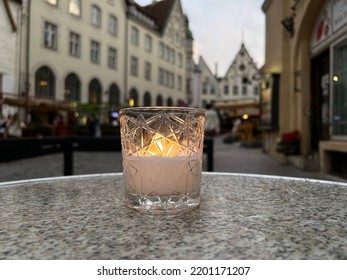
10	26
113	53
237	93
305	62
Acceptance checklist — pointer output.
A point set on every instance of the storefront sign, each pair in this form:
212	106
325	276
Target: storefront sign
322	29
339	13
332	17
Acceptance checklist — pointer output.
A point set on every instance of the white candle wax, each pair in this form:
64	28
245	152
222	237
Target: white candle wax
157	175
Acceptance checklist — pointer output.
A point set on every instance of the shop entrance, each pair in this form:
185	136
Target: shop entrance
320	95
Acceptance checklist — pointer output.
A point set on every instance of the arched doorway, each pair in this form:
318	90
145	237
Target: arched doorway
114	96
44	83
160	101
169	102
133	98
147	99
72	87
95	91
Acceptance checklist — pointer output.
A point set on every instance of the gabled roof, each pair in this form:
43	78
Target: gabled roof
158	11
9	13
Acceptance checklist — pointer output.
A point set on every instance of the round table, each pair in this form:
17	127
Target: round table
240	217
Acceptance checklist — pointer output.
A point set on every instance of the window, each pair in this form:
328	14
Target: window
112	58
95	52
161	76
134	36
134	66
52	2
161	50
244	90
96	16
172	79
180	60
75	7
50	36
255	92
226	90
339	85
235	90
112	25
173	56
148	68
148	43
212	89
75	44
179	80
204	88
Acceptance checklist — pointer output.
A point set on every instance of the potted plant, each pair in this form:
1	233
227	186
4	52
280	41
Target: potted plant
289	143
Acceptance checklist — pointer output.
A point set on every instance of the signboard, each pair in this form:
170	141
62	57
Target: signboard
339	14
333	17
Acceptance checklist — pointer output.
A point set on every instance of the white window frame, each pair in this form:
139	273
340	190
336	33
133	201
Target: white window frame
112	24
96	16
134	66
148	43
50	35
112	58
135	36
95	51
148	71
75	44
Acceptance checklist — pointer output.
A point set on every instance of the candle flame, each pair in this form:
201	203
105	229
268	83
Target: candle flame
161	145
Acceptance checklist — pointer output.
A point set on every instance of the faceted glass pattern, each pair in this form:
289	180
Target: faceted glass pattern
162	157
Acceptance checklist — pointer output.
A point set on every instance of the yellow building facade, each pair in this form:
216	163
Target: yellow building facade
305	89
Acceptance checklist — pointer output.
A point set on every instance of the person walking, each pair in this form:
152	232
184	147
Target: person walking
212	123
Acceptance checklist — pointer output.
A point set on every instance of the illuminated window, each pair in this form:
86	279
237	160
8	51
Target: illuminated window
52	2
75	7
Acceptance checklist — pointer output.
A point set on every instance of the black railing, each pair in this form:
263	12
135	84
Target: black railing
14	149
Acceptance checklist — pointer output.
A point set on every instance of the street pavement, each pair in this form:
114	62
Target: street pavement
227	158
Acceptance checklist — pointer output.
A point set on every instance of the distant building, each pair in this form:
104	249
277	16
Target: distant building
10	55
237	92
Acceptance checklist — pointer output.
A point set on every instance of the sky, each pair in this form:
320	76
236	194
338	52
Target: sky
220	26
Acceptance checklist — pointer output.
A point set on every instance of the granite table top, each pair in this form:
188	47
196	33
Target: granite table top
240	217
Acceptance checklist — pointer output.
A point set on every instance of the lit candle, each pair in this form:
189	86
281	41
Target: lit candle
163	168
162	157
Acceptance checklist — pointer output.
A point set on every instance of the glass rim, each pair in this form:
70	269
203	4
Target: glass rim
162	108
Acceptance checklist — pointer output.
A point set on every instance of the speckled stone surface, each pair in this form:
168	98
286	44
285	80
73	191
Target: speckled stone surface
240	217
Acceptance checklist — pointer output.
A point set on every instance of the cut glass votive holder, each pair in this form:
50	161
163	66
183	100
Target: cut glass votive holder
162	150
